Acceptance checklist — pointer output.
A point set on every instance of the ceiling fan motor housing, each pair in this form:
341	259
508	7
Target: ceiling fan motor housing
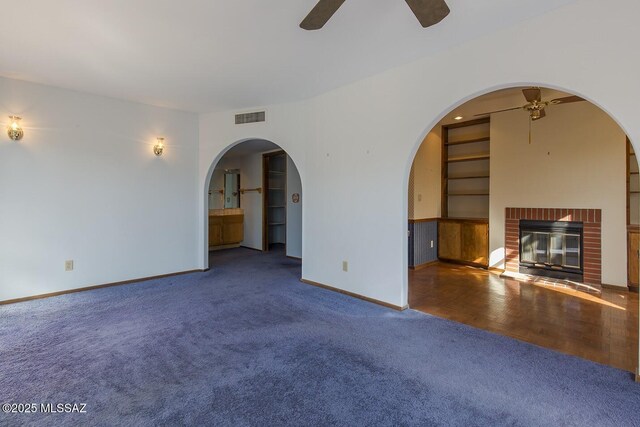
535	109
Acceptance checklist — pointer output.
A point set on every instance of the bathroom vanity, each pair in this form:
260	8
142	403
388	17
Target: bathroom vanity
226	228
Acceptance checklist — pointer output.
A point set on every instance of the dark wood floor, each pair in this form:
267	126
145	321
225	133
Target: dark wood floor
602	328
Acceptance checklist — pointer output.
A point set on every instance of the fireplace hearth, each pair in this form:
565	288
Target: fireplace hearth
551	249
556	261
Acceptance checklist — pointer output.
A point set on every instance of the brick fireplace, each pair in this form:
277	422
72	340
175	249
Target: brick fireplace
592	230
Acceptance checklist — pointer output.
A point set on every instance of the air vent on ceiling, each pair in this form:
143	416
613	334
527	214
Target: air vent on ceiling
257	116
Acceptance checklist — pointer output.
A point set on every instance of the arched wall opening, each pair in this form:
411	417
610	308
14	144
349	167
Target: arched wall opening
482	178
257	179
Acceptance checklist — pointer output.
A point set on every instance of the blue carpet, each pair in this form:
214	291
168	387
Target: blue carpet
247	344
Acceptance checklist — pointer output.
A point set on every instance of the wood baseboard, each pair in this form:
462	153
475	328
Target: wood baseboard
94	287
614	287
634	289
421	266
354	295
459	262
297	258
638	375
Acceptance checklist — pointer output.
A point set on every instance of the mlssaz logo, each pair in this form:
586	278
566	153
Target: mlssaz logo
65	408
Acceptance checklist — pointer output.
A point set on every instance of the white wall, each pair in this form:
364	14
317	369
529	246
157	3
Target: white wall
427	177
354	146
294	211
577	159
84	184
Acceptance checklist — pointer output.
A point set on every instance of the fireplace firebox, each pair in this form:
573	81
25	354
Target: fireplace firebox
552	249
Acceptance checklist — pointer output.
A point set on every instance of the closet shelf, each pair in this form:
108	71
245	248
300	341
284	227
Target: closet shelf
467	194
469	141
468	158
468	177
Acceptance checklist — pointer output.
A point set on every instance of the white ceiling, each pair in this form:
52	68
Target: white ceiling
209	55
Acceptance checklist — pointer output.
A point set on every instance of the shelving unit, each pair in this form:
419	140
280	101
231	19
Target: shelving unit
633	219
465	169
467	158
463	229
275	202
633	187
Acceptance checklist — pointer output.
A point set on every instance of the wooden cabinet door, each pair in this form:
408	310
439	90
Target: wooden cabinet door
475	243
465	241
215	231
632	258
449	240
233	229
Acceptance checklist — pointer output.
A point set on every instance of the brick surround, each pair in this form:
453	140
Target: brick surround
592	232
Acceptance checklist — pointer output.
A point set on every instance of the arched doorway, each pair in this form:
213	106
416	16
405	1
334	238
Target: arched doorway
254	201
523	216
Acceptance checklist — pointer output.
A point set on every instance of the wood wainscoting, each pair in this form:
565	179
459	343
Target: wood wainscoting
423	242
457	240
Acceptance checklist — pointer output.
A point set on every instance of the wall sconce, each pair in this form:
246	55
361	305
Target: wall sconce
158	149
14	130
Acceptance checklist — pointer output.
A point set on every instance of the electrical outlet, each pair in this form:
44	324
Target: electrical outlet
419	197
432	243
68	265
345	266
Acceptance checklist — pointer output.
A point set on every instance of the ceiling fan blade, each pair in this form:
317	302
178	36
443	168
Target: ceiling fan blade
429	12
498	111
566	100
542	116
320	14
532	94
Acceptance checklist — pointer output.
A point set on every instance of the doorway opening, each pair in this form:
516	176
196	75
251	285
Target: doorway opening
523	220
254	202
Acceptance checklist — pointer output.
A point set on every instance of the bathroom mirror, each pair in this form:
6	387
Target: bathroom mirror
231	188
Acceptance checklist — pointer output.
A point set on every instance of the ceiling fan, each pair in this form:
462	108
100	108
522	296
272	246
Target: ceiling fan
535	106
428	12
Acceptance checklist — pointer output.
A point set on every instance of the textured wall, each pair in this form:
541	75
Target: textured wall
421	234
